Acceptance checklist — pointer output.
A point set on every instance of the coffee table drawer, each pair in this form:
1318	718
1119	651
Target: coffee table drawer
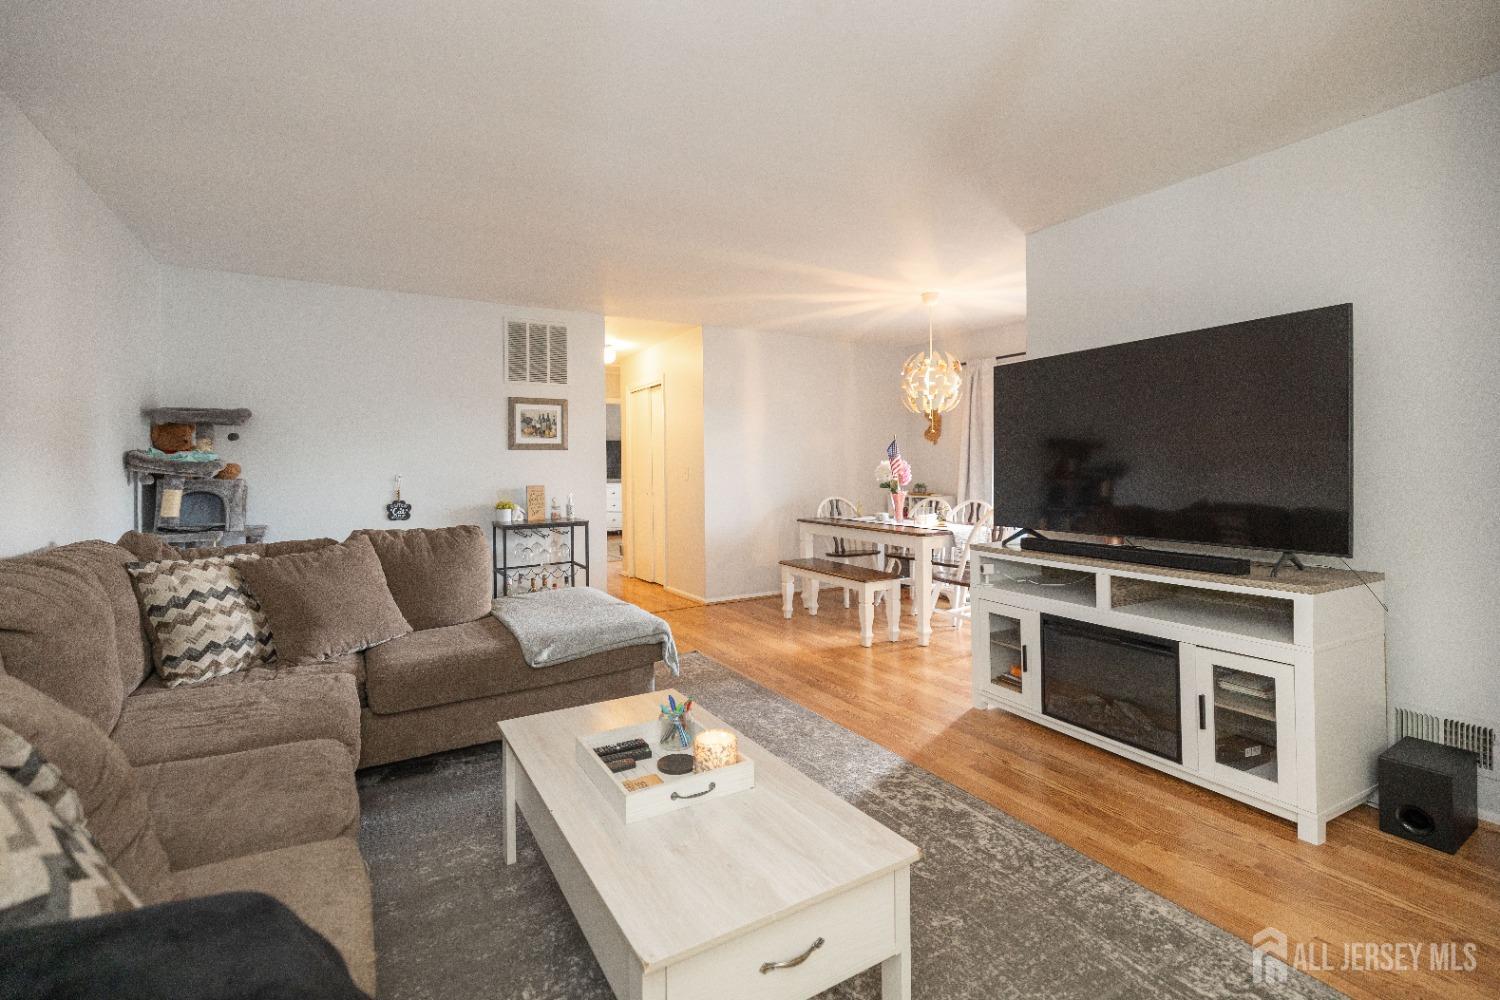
857	927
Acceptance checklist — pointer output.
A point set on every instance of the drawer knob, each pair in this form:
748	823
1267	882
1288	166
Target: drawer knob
696	795
792	963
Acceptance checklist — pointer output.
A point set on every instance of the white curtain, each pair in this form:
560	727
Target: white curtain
976	457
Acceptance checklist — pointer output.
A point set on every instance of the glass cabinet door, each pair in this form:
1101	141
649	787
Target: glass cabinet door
1246	729
1007	642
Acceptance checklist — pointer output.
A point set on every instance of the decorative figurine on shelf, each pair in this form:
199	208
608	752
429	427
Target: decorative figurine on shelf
674	723
934	427
398	509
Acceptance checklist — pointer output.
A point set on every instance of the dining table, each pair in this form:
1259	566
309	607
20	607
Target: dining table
922	540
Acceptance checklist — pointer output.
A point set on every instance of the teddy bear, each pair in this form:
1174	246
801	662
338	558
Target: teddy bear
173	438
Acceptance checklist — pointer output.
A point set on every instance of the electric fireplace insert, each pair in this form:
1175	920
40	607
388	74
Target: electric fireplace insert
1118	684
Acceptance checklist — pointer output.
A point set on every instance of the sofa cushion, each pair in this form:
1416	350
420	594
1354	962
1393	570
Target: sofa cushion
202	621
422	731
57	629
159	725
51	869
146	547
113	805
326	602
216	808
107	564
325	883
438	576
150	548
290	546
352	664
474	660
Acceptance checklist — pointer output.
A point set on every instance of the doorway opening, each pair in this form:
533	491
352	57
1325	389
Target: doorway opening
658	386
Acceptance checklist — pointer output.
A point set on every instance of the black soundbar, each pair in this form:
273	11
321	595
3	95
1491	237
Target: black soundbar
1227	565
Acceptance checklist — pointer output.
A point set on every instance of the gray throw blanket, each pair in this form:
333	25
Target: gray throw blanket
555	626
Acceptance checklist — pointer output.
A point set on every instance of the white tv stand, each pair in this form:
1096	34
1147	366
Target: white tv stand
1290	671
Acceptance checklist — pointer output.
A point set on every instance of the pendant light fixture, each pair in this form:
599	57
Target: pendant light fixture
930	383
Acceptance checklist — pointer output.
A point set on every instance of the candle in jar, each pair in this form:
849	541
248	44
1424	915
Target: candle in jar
715	748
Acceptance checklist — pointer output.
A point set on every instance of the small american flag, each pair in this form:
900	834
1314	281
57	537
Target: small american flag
900	471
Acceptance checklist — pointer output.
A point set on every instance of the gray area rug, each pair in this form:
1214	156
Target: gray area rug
999	910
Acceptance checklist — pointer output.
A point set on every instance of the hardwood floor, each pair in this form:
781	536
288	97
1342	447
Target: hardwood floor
650	596
1228	863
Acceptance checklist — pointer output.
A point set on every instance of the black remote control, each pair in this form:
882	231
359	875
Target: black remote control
634	753
618	748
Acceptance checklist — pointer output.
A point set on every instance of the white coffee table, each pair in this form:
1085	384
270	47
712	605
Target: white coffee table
775	893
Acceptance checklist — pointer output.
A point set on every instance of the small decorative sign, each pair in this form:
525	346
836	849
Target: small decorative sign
398	509
645	781
536	503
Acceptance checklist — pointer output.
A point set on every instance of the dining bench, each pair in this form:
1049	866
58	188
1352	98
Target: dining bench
863	580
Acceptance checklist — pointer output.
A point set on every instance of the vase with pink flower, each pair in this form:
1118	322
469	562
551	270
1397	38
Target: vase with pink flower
894	475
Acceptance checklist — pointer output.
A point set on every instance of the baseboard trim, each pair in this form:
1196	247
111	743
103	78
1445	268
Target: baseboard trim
741	597
677	592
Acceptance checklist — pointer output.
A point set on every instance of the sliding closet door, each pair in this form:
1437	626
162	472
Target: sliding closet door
646	491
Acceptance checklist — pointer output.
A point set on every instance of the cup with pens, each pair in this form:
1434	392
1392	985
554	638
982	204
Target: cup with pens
674	719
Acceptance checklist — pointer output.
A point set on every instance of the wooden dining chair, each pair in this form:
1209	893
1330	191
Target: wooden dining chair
842	548
970	512
953	581
930	505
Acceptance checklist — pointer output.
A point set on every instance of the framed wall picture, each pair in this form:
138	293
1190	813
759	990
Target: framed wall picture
538	424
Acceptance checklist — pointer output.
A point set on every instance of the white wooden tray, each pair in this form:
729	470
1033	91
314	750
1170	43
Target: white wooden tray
676	791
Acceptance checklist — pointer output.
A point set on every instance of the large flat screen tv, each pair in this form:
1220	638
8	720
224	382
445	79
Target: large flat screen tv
1238	435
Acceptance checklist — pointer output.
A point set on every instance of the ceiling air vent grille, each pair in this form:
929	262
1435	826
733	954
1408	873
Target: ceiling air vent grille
536	352
1477	739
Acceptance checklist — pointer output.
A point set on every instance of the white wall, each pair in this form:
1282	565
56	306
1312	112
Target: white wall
350	387
78	348
678	365
1399	214
970	345
787	421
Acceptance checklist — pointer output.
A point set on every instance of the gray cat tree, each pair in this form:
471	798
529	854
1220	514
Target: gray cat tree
179	498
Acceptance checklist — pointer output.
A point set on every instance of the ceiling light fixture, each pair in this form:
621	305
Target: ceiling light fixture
931	382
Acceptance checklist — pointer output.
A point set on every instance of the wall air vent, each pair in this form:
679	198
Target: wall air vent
1477	739
536	353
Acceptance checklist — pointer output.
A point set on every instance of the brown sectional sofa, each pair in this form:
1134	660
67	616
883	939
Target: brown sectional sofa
246	782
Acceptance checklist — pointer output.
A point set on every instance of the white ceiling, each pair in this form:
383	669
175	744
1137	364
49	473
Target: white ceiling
628	335
802	164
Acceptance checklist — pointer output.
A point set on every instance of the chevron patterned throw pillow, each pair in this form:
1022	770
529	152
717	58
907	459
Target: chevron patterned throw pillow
203	622
50	869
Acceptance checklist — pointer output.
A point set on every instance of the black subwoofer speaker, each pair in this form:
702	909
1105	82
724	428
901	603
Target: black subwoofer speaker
1429	793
